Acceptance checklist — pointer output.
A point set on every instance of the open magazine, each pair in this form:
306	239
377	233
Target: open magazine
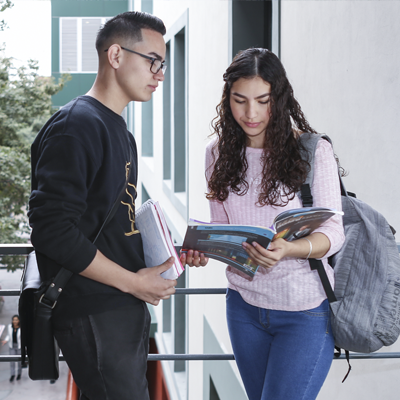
157	241
224	242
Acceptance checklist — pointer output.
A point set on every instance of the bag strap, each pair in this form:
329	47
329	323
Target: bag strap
319	266
50	297
309	142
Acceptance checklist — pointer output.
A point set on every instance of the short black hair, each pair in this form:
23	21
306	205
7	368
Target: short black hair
127	26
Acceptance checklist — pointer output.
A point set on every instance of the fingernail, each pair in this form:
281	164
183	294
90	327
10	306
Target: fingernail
244	244
196	253
254	244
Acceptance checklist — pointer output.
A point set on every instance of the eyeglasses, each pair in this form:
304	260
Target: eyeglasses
156	64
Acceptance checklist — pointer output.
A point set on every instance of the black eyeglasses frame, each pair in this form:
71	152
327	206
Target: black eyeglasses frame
162	66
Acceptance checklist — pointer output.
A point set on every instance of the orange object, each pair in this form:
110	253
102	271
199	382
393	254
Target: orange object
72	389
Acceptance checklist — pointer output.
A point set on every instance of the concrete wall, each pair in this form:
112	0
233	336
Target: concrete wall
343	61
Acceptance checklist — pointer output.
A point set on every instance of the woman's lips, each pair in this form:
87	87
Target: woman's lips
252	124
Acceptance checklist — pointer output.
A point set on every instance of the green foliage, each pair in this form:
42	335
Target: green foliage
4	4
25	104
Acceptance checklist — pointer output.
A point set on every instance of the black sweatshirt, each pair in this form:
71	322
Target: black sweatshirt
79	163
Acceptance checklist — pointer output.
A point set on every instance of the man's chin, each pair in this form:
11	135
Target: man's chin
143	99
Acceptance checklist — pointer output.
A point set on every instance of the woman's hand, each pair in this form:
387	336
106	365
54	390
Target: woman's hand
277	250
193	259
280	248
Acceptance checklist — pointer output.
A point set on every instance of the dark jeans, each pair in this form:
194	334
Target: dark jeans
107	353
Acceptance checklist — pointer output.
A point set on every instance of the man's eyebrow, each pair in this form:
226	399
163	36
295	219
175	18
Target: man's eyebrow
156	55
244	97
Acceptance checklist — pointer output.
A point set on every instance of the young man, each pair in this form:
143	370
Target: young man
80	160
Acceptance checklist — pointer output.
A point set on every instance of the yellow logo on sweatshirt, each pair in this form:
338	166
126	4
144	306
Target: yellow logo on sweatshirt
131	206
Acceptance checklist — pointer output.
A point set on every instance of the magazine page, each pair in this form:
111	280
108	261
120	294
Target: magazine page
224	243
155	241
300	222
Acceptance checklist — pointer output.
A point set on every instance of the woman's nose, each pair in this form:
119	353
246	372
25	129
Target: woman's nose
251	111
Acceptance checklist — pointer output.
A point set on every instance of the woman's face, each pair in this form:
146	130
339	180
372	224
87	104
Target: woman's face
251	108
15	322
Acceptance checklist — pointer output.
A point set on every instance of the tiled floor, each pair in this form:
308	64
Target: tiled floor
25	388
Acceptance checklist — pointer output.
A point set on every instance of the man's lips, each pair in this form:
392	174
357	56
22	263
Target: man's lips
252	124
153	87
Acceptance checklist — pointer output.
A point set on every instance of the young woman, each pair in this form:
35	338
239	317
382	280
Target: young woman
278	321
14	342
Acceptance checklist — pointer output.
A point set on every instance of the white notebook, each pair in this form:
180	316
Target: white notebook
157	241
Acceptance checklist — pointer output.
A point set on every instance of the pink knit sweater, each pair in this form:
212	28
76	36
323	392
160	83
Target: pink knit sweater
289	285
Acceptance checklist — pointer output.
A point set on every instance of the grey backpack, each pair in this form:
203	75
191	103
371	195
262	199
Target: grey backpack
365	303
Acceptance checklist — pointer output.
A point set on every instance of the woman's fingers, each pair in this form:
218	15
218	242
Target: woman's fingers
260	255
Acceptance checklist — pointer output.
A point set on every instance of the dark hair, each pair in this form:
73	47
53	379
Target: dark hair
127	27
15	316
282	162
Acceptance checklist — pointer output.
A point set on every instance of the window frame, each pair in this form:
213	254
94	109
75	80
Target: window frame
178	198
79	43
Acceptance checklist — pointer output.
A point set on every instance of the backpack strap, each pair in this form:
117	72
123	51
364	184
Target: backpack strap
309	143
317	265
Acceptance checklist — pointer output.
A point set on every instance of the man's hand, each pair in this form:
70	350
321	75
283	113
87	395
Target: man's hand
146	284
151	287
193	259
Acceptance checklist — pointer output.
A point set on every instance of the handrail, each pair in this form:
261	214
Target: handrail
25	249
15	292
227	357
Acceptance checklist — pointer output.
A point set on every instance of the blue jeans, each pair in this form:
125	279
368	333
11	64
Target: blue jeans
281	355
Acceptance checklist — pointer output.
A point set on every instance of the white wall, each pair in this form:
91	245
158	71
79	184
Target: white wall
208	58
343	61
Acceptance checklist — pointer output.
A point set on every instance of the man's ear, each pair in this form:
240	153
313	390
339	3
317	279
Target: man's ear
114	55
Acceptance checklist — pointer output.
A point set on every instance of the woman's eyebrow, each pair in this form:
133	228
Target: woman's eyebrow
244	97
263	95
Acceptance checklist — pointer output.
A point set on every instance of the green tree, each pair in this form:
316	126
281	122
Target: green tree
25	104
4	4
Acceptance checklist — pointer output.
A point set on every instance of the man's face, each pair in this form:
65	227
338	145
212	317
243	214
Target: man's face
135	79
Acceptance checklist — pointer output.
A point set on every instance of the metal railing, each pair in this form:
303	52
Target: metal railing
25	249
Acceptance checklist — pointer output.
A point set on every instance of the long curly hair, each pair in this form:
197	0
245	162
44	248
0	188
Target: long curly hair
284	171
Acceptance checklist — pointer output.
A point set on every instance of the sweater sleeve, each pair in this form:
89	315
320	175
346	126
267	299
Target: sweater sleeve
218	214
63	172
326	193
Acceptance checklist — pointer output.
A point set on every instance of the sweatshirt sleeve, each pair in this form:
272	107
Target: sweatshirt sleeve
64	170
218	214
326	193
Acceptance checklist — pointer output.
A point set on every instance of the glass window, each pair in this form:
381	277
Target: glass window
78	44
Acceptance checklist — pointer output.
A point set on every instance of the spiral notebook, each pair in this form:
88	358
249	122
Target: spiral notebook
157	241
